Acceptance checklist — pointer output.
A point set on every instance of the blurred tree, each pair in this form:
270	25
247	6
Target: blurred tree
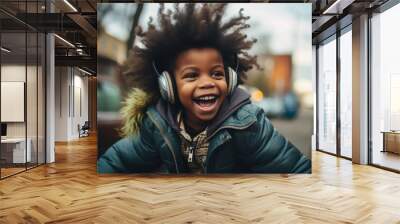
126	16
102	11
133	18
135	21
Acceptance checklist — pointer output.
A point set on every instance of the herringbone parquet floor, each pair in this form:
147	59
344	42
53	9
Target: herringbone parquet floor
70	191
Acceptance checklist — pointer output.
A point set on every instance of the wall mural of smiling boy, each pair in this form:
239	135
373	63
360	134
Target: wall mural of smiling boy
189	115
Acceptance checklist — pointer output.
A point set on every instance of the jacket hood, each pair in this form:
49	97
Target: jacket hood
231	104
133	110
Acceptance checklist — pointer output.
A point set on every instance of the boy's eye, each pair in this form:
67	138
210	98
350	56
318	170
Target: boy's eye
189	76
218	74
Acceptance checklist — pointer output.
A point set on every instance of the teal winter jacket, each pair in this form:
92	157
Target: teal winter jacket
241	140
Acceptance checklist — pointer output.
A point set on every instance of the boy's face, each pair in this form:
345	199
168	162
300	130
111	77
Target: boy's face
201	84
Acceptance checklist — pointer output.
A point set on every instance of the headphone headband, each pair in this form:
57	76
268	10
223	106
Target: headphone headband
153	63
237	63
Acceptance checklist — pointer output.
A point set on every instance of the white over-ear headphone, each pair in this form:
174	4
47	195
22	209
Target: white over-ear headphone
167	85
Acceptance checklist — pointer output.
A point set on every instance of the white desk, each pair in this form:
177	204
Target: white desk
18	144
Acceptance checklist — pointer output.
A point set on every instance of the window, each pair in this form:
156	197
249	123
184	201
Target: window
385	89
327	97
22	75
346	94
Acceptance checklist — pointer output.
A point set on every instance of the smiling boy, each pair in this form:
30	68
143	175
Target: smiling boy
196	120
201	85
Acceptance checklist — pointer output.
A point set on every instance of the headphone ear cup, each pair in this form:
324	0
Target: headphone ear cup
232	80
166	87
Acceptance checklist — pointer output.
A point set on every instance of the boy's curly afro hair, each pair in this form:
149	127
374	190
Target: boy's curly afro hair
190	26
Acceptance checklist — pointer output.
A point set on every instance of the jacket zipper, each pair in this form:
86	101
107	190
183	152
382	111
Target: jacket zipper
231	127
169	146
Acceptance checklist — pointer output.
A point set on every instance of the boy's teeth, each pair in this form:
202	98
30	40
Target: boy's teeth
207	98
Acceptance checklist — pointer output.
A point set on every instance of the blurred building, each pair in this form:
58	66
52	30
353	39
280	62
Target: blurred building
111	48
280	80
112	54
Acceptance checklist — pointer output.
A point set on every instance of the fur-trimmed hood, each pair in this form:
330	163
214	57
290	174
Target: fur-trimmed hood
133	110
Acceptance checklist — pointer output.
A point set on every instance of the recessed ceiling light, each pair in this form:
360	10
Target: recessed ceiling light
84	71
64	40
5	50
70	5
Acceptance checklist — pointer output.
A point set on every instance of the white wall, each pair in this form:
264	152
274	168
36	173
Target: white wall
15	73
62	80
79	104
13	100
71	87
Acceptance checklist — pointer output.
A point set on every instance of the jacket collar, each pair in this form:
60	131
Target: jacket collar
230	105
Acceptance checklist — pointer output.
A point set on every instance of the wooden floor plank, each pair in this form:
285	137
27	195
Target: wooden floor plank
70	191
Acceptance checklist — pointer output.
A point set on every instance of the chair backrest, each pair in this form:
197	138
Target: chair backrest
86	125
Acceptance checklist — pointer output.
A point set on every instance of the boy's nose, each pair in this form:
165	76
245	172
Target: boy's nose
206	83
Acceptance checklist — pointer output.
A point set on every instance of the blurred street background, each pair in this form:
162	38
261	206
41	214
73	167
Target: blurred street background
283	86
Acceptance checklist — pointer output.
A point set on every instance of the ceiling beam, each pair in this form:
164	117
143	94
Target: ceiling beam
320	22
49	22
84	24
337	6
81	61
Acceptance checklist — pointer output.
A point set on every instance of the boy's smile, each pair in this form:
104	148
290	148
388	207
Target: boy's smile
201	84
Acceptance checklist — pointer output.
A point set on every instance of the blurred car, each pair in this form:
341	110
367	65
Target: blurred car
283	106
